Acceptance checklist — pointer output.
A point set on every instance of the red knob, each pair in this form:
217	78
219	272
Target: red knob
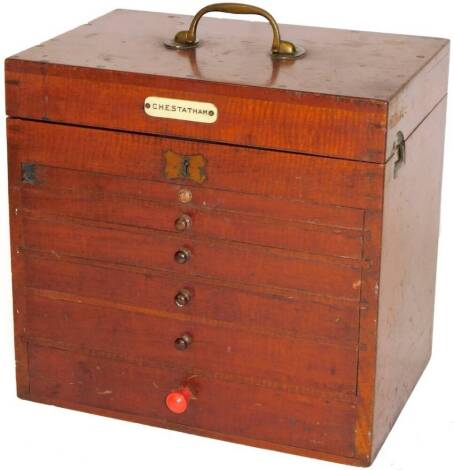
178	400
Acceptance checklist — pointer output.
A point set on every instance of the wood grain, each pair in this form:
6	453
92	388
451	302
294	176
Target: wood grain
56	93
226	202
64	377
417	98
339	63
303	366
260	230
367	348
151	292
18	279
237	169
313	265
336	277
407	280
105	59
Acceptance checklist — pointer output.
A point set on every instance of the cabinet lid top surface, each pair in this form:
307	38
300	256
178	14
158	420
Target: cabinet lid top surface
338	62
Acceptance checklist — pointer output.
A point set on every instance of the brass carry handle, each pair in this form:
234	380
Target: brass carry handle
280	49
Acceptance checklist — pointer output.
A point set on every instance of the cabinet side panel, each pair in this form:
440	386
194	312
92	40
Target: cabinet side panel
408	267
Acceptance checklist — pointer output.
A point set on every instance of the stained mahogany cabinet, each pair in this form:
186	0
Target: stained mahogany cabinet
224	241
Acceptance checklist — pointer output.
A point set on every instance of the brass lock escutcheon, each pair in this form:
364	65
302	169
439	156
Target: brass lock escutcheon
280	49
188	167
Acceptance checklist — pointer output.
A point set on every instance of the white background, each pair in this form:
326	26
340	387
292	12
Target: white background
34	436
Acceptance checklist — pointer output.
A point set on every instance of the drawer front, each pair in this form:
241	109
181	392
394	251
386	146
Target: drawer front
231	168
313	229
225	409
299	365
152	292
62	183
251	265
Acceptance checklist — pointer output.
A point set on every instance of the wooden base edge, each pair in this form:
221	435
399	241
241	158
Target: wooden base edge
200	432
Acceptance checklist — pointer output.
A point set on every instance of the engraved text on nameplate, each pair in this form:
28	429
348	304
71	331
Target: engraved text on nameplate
169	108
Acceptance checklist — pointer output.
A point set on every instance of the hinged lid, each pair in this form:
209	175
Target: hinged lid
346	97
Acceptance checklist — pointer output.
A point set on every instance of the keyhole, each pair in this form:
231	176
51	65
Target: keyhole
185	169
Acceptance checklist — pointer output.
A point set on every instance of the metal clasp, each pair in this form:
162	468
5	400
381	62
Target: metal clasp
399	149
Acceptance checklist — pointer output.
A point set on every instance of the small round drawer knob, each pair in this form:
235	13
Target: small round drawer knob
182	342
178	401
182	298
184	195
183	255
183	223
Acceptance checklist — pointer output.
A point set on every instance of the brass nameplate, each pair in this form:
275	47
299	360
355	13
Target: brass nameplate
169	108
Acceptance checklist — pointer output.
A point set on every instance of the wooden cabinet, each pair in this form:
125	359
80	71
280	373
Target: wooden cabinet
263	275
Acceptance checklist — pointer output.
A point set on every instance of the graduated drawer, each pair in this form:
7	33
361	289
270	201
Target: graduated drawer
106	385
300	365
212	303
222	260
283	175
212	214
